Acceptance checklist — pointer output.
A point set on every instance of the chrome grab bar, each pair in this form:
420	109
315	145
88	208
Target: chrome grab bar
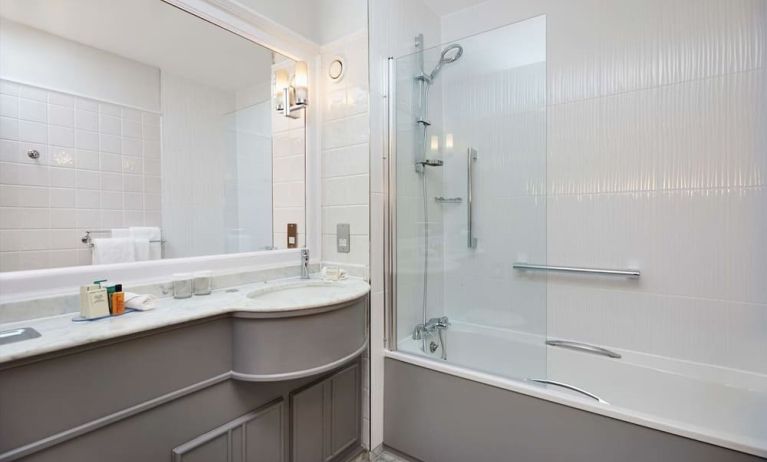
472	157
580	346
573	269
569	387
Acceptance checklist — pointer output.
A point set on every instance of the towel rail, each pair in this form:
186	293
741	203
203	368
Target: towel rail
572	269
88	240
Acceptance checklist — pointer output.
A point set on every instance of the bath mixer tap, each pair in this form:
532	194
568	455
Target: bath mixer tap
304	263
421	331
437	323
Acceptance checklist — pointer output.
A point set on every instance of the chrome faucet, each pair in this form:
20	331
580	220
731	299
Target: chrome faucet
304	263
434	324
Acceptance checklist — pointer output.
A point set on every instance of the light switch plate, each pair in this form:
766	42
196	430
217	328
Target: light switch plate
343	244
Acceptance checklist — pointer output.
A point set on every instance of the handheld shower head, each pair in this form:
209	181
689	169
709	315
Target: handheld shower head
449	55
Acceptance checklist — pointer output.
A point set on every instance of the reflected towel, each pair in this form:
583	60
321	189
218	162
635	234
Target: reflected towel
153	236
113	250
141	248
150	233
140	302
121	232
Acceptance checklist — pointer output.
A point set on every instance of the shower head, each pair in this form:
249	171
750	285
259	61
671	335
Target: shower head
449	55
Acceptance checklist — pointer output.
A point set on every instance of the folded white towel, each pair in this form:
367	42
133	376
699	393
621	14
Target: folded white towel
140	302
121	232
141	248
150	233
113	250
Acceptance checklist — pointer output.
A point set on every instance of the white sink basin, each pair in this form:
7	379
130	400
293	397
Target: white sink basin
299	295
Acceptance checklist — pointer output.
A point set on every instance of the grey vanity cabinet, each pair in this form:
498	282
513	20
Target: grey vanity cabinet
254	437
325	417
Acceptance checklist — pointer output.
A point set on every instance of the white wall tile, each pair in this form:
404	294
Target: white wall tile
112	200
110	162
63	218
86	140
134	183
356	216
110	125
32	110
132	147
35	132
62	197
353	190
88	180
353	160
88	160
110	143
87	199
61	115
87	120
61	136
131	128
9	106
33	93
111	181
9	128
61	100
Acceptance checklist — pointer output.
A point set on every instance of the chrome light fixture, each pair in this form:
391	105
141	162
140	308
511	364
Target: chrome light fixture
292	94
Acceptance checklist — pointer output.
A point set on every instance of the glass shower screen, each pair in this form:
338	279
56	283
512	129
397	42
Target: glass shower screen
467	189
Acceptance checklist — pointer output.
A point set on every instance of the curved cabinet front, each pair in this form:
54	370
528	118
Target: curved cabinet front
294	345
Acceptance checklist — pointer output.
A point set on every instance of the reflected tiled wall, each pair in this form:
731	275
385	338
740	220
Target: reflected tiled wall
99	168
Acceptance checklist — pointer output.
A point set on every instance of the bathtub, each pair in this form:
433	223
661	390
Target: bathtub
721	406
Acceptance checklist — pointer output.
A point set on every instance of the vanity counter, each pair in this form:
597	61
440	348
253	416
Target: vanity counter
61	332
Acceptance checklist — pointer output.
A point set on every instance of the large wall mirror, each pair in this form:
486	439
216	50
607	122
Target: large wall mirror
133	130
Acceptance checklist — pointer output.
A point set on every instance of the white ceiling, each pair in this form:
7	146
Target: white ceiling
151	32
443	7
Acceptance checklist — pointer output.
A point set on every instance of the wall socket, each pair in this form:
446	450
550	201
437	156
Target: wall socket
343	242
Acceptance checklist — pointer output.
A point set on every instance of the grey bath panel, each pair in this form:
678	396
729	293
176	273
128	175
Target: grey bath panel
437	417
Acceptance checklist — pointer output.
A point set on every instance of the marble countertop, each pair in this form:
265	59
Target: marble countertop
61	332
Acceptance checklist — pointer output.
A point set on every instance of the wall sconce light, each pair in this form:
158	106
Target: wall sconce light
291	98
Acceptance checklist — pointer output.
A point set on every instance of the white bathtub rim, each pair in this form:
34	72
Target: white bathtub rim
737	443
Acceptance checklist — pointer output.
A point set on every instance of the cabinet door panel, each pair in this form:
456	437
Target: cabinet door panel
344	409
308	424
325	418
254	437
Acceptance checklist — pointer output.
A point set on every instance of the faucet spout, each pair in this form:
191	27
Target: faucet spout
304	263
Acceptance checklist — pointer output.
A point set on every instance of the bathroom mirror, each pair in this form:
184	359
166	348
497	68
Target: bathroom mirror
133	130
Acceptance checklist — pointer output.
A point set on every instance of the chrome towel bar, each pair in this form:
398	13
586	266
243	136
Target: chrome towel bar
572	269
569	387
580	346
88	240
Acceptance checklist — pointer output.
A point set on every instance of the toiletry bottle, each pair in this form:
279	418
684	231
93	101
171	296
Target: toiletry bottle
110	288
118	300
98	304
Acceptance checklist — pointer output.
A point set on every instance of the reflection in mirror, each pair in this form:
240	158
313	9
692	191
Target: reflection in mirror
133	131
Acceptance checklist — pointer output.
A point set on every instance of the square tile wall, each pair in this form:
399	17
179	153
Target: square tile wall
345	150
98	168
